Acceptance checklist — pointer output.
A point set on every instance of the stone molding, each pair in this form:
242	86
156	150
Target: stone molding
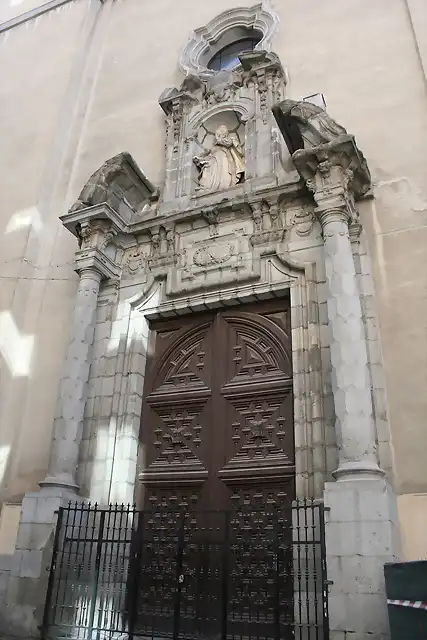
75	219
195	54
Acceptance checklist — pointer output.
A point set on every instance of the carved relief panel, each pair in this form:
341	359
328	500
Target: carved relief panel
218	408
214	255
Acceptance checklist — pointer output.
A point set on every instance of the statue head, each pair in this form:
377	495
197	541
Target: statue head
221	134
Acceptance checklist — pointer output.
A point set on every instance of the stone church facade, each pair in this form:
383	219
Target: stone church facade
234	323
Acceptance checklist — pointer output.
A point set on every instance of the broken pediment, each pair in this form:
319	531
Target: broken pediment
304	125
317	144
121	184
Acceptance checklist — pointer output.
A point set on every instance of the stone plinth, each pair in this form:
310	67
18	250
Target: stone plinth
361	536
29	575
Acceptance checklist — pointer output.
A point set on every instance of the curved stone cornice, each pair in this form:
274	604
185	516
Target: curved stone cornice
120	183
325	155
304	125
259	17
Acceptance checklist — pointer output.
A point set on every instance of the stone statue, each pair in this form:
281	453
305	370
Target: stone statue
222	166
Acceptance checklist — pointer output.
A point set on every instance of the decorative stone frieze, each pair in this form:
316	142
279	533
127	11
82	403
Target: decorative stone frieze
134	260
212	218
268	223
162	252
299	217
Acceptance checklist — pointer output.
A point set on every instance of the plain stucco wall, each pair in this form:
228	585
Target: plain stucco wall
82	84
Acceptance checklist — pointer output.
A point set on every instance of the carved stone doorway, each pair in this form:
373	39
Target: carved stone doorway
213	542
217	424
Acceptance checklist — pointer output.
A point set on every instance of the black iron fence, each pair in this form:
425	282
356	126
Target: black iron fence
120	573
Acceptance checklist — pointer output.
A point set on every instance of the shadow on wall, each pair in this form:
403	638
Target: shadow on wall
16	350
110	441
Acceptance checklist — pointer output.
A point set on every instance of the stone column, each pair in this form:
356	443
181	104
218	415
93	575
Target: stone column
333	180
92	265
355	428
361	507
67	427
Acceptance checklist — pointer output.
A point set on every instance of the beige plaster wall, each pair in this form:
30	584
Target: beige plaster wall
10	9
413	519
63	114
37	64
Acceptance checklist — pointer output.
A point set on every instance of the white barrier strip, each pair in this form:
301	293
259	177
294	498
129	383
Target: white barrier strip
414	604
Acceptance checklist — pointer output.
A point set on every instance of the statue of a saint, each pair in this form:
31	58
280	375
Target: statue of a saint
223	166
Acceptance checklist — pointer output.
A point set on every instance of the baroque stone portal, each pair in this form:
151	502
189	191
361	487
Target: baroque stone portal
222	166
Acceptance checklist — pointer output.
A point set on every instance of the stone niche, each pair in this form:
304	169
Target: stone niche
229	113
220	160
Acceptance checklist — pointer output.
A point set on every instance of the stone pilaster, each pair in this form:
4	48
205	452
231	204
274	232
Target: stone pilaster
266	80
361	523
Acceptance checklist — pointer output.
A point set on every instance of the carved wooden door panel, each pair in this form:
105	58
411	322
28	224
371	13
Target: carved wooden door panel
217	423
177	415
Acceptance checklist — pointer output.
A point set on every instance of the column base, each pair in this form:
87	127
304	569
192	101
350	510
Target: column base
355	470
361	536
26	593
64	483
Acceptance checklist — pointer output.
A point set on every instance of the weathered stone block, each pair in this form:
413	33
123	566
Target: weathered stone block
360	538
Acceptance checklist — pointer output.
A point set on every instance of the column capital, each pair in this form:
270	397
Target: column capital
337	175
96	260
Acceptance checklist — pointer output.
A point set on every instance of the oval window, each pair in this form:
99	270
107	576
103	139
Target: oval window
228	57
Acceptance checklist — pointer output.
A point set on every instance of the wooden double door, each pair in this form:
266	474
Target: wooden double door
217	427
213	544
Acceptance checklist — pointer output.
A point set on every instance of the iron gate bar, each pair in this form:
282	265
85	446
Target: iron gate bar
224	577
252	572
